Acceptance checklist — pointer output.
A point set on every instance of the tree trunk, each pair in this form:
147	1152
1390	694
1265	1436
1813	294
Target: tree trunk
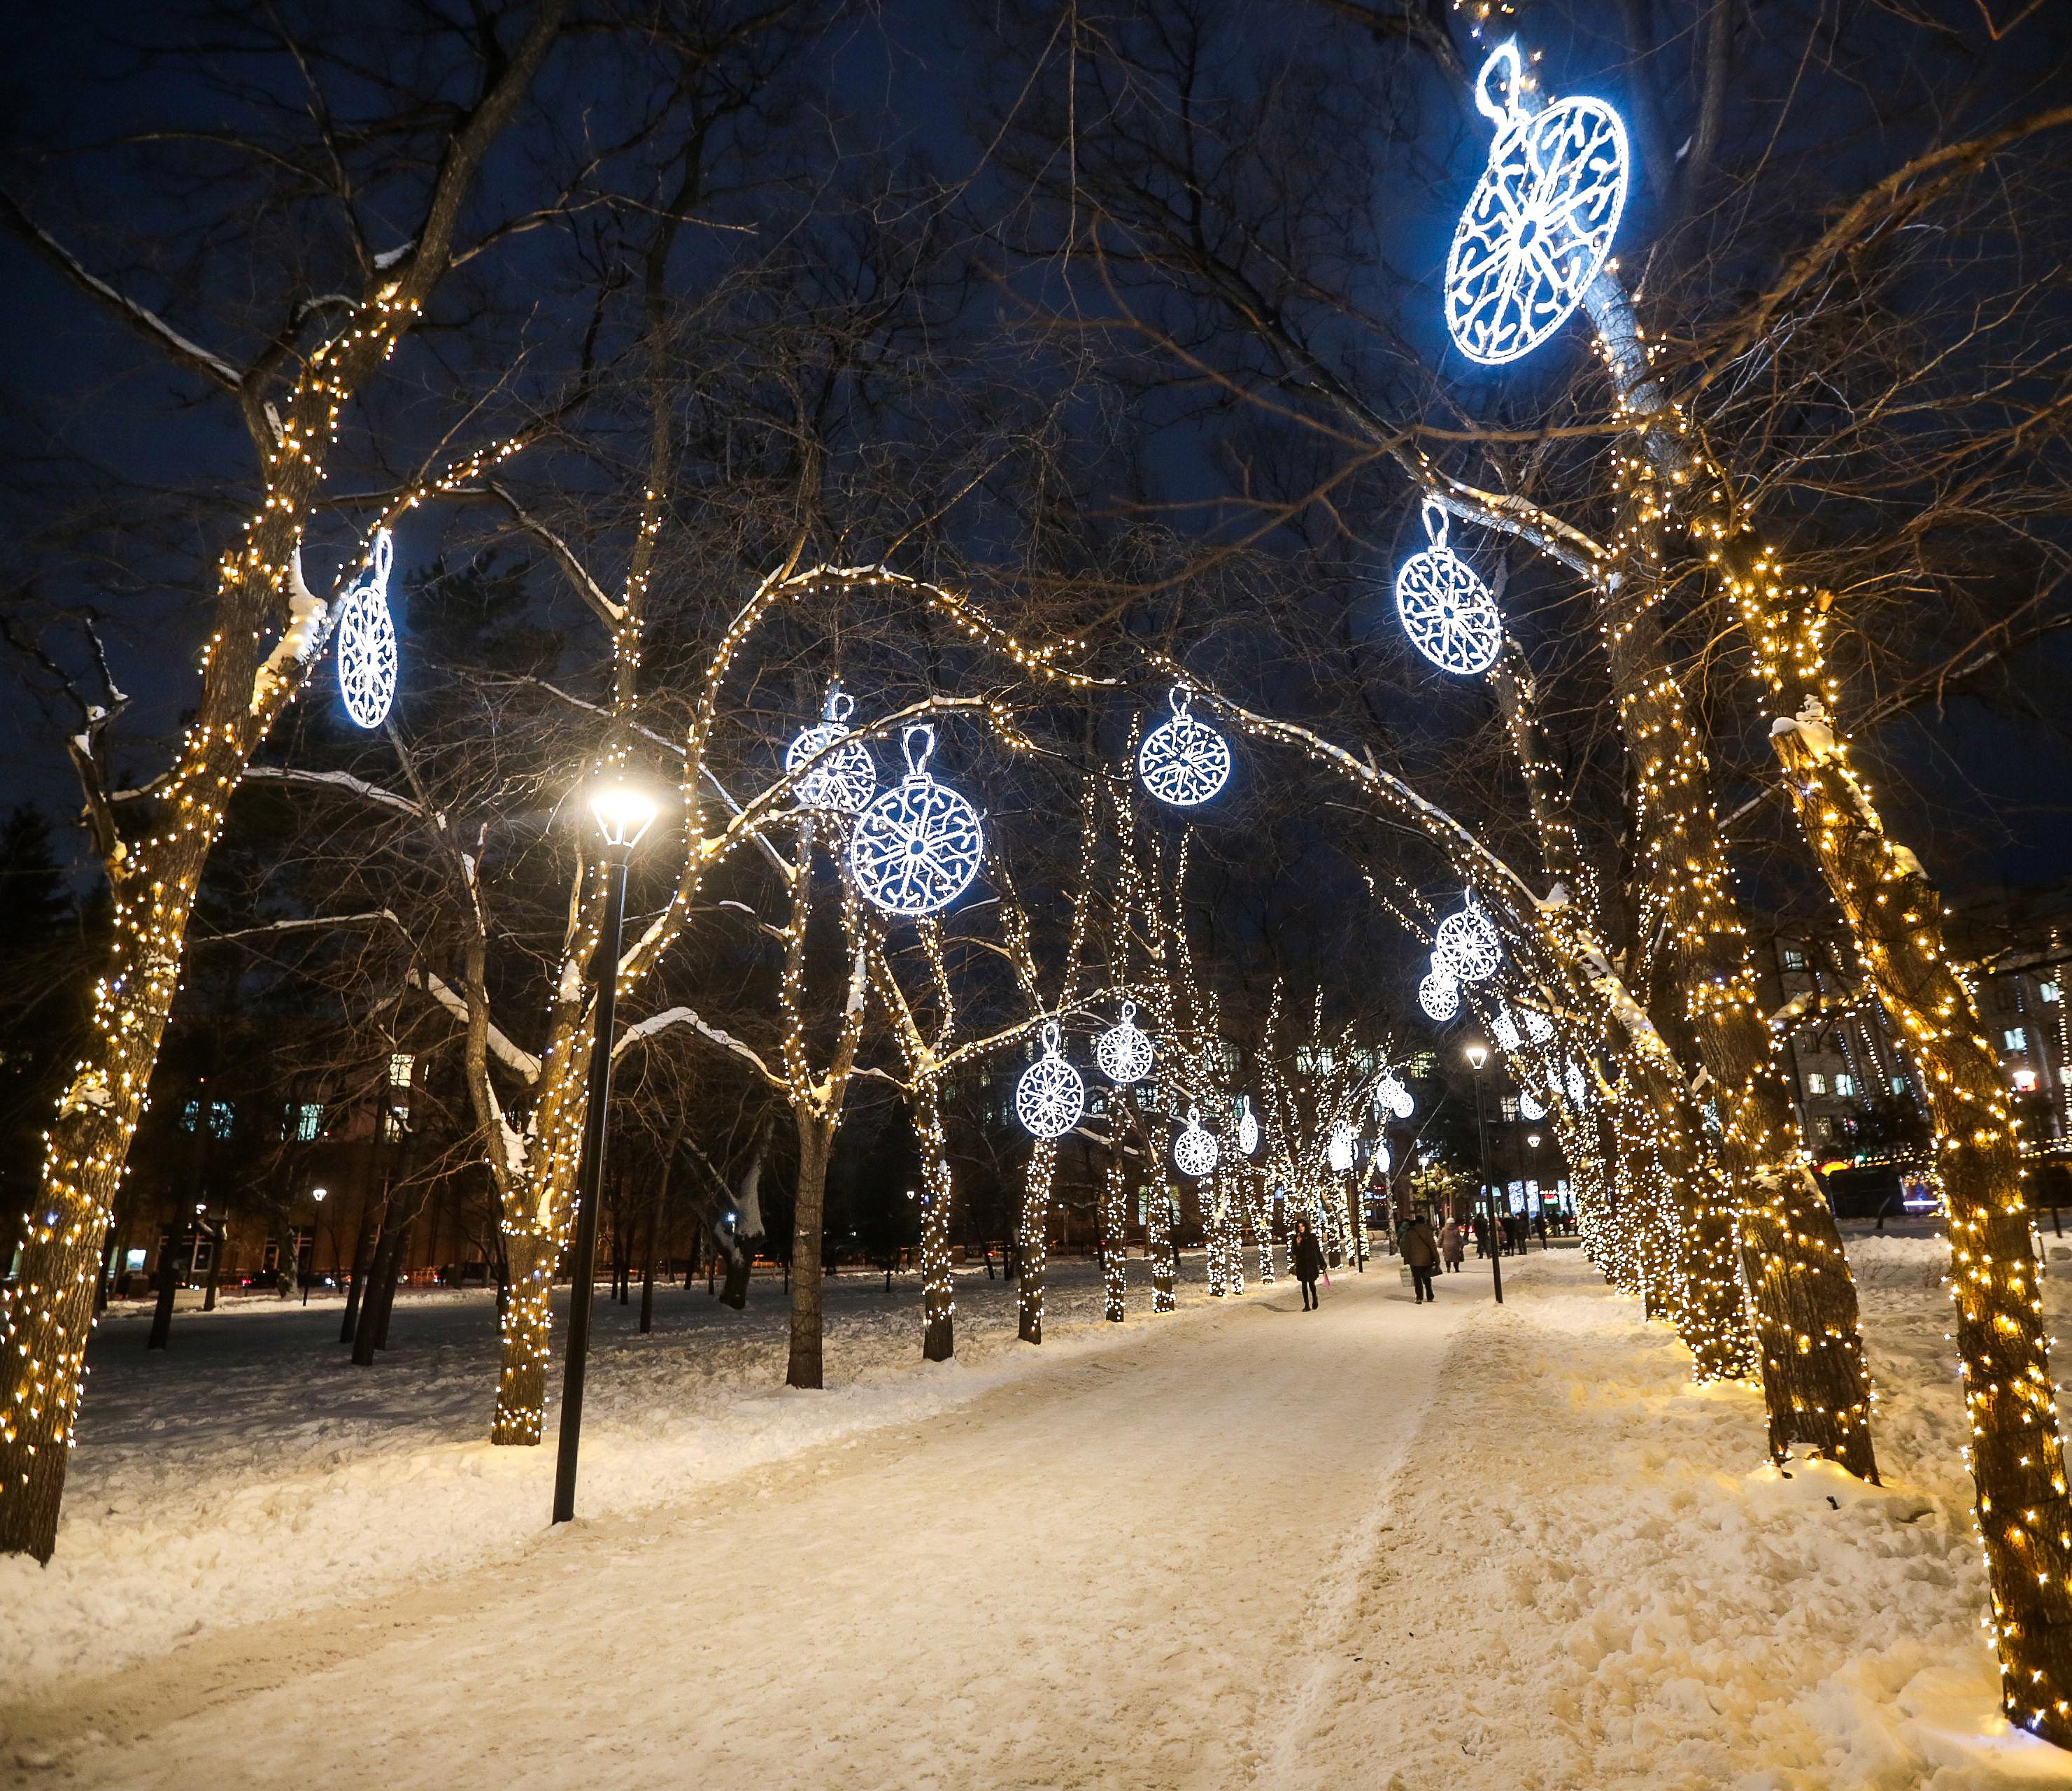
1114	1266
216	1249
169	1281
2016	1452
809	1212
399	1260
1158	1217
654	1244
1033	1241
939	1296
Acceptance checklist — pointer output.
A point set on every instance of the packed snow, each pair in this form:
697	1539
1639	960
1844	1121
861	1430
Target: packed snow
1463	1547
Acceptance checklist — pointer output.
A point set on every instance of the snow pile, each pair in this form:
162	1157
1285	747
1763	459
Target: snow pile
251	1470
1886	1260
1585	1582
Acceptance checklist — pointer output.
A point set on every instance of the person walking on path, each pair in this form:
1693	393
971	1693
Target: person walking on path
1420	1251
1308	1264
1449	1245
1539	1225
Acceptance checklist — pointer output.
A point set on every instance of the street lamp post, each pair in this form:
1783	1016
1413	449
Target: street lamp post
623	814
1477	1061
1532	1172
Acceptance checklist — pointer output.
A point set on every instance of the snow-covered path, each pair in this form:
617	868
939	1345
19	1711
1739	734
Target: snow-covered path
1118	1569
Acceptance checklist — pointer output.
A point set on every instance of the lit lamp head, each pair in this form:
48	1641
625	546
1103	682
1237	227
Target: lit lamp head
624	812
1478	1055
317	1194
1532	1140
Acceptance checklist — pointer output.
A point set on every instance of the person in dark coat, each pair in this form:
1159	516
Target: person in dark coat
1308	1264
1420	1253
1449	1245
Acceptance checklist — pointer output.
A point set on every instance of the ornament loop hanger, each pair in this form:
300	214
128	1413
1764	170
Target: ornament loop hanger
1128	1012
381	558
1049	1037
917	764
1436	522
1180	697
1501	113
840	705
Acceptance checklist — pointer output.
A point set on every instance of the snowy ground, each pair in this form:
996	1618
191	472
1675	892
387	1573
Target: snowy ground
1464	1548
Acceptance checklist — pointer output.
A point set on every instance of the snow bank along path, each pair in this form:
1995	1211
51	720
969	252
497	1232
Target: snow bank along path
1103	1571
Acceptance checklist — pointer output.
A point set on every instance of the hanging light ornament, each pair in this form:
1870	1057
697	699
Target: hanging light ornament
1248	1126
916	848
1444	607
1383	1161
1123	1051
1439	994
1051	1096
1538	1028
1339	1151
366	641
1508	1037
1529	1107
1578	1088
1466	945
1183	762
1540	224
1195	1152
1392	1093
846	779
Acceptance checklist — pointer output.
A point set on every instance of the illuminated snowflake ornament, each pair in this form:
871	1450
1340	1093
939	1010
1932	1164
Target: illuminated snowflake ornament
1123	1051
845	780
1538	1028
1540	224
1508	1037
1050	1096
917	847
1383	1161
1529	1108
1195	1152
1444	607
1466	945
1184	762
1392	1097
1578	1088
1338	1153
1248	1126
366	641
1439	994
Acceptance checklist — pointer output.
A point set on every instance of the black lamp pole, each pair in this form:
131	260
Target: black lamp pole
604	973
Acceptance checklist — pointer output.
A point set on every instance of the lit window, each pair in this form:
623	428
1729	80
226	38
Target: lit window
190	1116
2047	991
1815	1083
2015	1038
1845	1084
1511	1106
1899	1084
2024	1080
400	1064
399	1121
1793	958
220	1116
309	1120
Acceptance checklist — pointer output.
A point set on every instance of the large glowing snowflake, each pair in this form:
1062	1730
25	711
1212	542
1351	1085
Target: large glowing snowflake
1339	1151
1183	762
1466	945
1445	608
1540	221
844	779
1508	1037
916	848
1529	1107
1123	1051
1248	1126
1195	1152
1439	994
366	641
1050	1096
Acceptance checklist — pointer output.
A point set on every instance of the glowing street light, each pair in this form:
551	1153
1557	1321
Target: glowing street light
1477	1055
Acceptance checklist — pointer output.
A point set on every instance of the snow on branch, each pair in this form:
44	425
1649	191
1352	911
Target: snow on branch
341	781
512	1056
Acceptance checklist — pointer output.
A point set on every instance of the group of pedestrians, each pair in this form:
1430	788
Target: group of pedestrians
1427	1249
